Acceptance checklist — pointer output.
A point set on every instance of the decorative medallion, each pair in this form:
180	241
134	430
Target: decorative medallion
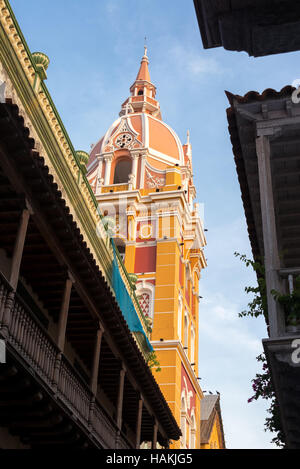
123	137
124	140
146	231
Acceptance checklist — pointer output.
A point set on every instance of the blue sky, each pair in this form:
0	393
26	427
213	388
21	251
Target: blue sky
95	48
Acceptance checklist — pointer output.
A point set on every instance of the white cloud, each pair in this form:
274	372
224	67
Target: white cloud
228	348
193	63
221	325
229	344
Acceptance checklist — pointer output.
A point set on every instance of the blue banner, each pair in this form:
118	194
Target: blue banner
125	302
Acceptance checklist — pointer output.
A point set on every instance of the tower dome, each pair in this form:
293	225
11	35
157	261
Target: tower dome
139	133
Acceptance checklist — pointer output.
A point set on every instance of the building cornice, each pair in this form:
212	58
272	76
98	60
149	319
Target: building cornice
176	345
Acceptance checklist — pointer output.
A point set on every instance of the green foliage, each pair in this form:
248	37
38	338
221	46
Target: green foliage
262	383
153	362
258	305
290	303
263	388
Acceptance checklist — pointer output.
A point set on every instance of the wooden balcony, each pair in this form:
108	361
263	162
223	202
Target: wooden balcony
36	351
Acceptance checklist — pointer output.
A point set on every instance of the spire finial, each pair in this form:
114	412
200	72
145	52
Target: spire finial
145	47
188	137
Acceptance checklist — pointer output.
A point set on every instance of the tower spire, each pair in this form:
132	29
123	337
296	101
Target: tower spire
142	91
143	73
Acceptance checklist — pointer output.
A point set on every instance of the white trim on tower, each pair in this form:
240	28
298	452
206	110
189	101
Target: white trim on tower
146	130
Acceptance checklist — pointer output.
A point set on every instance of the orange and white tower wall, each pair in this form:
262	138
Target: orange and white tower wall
142	177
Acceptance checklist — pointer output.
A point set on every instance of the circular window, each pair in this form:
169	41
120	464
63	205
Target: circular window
124	140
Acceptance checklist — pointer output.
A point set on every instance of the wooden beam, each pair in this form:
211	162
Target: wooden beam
154	439
63	315
120	398
18	248
96	358
139	424
292	271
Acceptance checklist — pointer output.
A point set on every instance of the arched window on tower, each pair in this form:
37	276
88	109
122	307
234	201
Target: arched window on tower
145	294
140	93
122	171
121	246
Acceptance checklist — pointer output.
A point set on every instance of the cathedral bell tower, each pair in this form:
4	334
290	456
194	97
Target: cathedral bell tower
142	176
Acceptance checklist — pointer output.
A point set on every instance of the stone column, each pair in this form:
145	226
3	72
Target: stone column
108	161
272	261
99	179
143	166
134	169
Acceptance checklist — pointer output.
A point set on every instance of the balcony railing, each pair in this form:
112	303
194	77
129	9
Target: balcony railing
73	392
28	338
34	346
114	188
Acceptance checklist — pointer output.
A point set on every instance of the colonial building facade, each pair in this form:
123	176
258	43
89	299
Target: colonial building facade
265	136
75	372
142	177
212	432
